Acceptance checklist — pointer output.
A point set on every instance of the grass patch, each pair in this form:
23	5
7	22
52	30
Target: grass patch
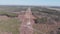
2	12
8	14
12	14
11	25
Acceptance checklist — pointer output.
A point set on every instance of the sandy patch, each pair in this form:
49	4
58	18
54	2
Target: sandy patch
4	18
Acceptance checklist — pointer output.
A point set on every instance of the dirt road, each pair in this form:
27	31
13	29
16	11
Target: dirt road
27	22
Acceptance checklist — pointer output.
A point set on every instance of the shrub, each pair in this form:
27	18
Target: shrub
41	20
11	15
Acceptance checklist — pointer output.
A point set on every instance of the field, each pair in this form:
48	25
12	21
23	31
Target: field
10	25
47	20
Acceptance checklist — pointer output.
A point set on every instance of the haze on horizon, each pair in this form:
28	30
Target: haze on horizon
31	2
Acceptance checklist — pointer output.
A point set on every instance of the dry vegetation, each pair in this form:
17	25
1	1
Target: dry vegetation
45	21
9	25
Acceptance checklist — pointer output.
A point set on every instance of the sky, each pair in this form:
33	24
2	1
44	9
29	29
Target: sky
31	2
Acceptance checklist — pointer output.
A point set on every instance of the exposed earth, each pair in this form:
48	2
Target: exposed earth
32	20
